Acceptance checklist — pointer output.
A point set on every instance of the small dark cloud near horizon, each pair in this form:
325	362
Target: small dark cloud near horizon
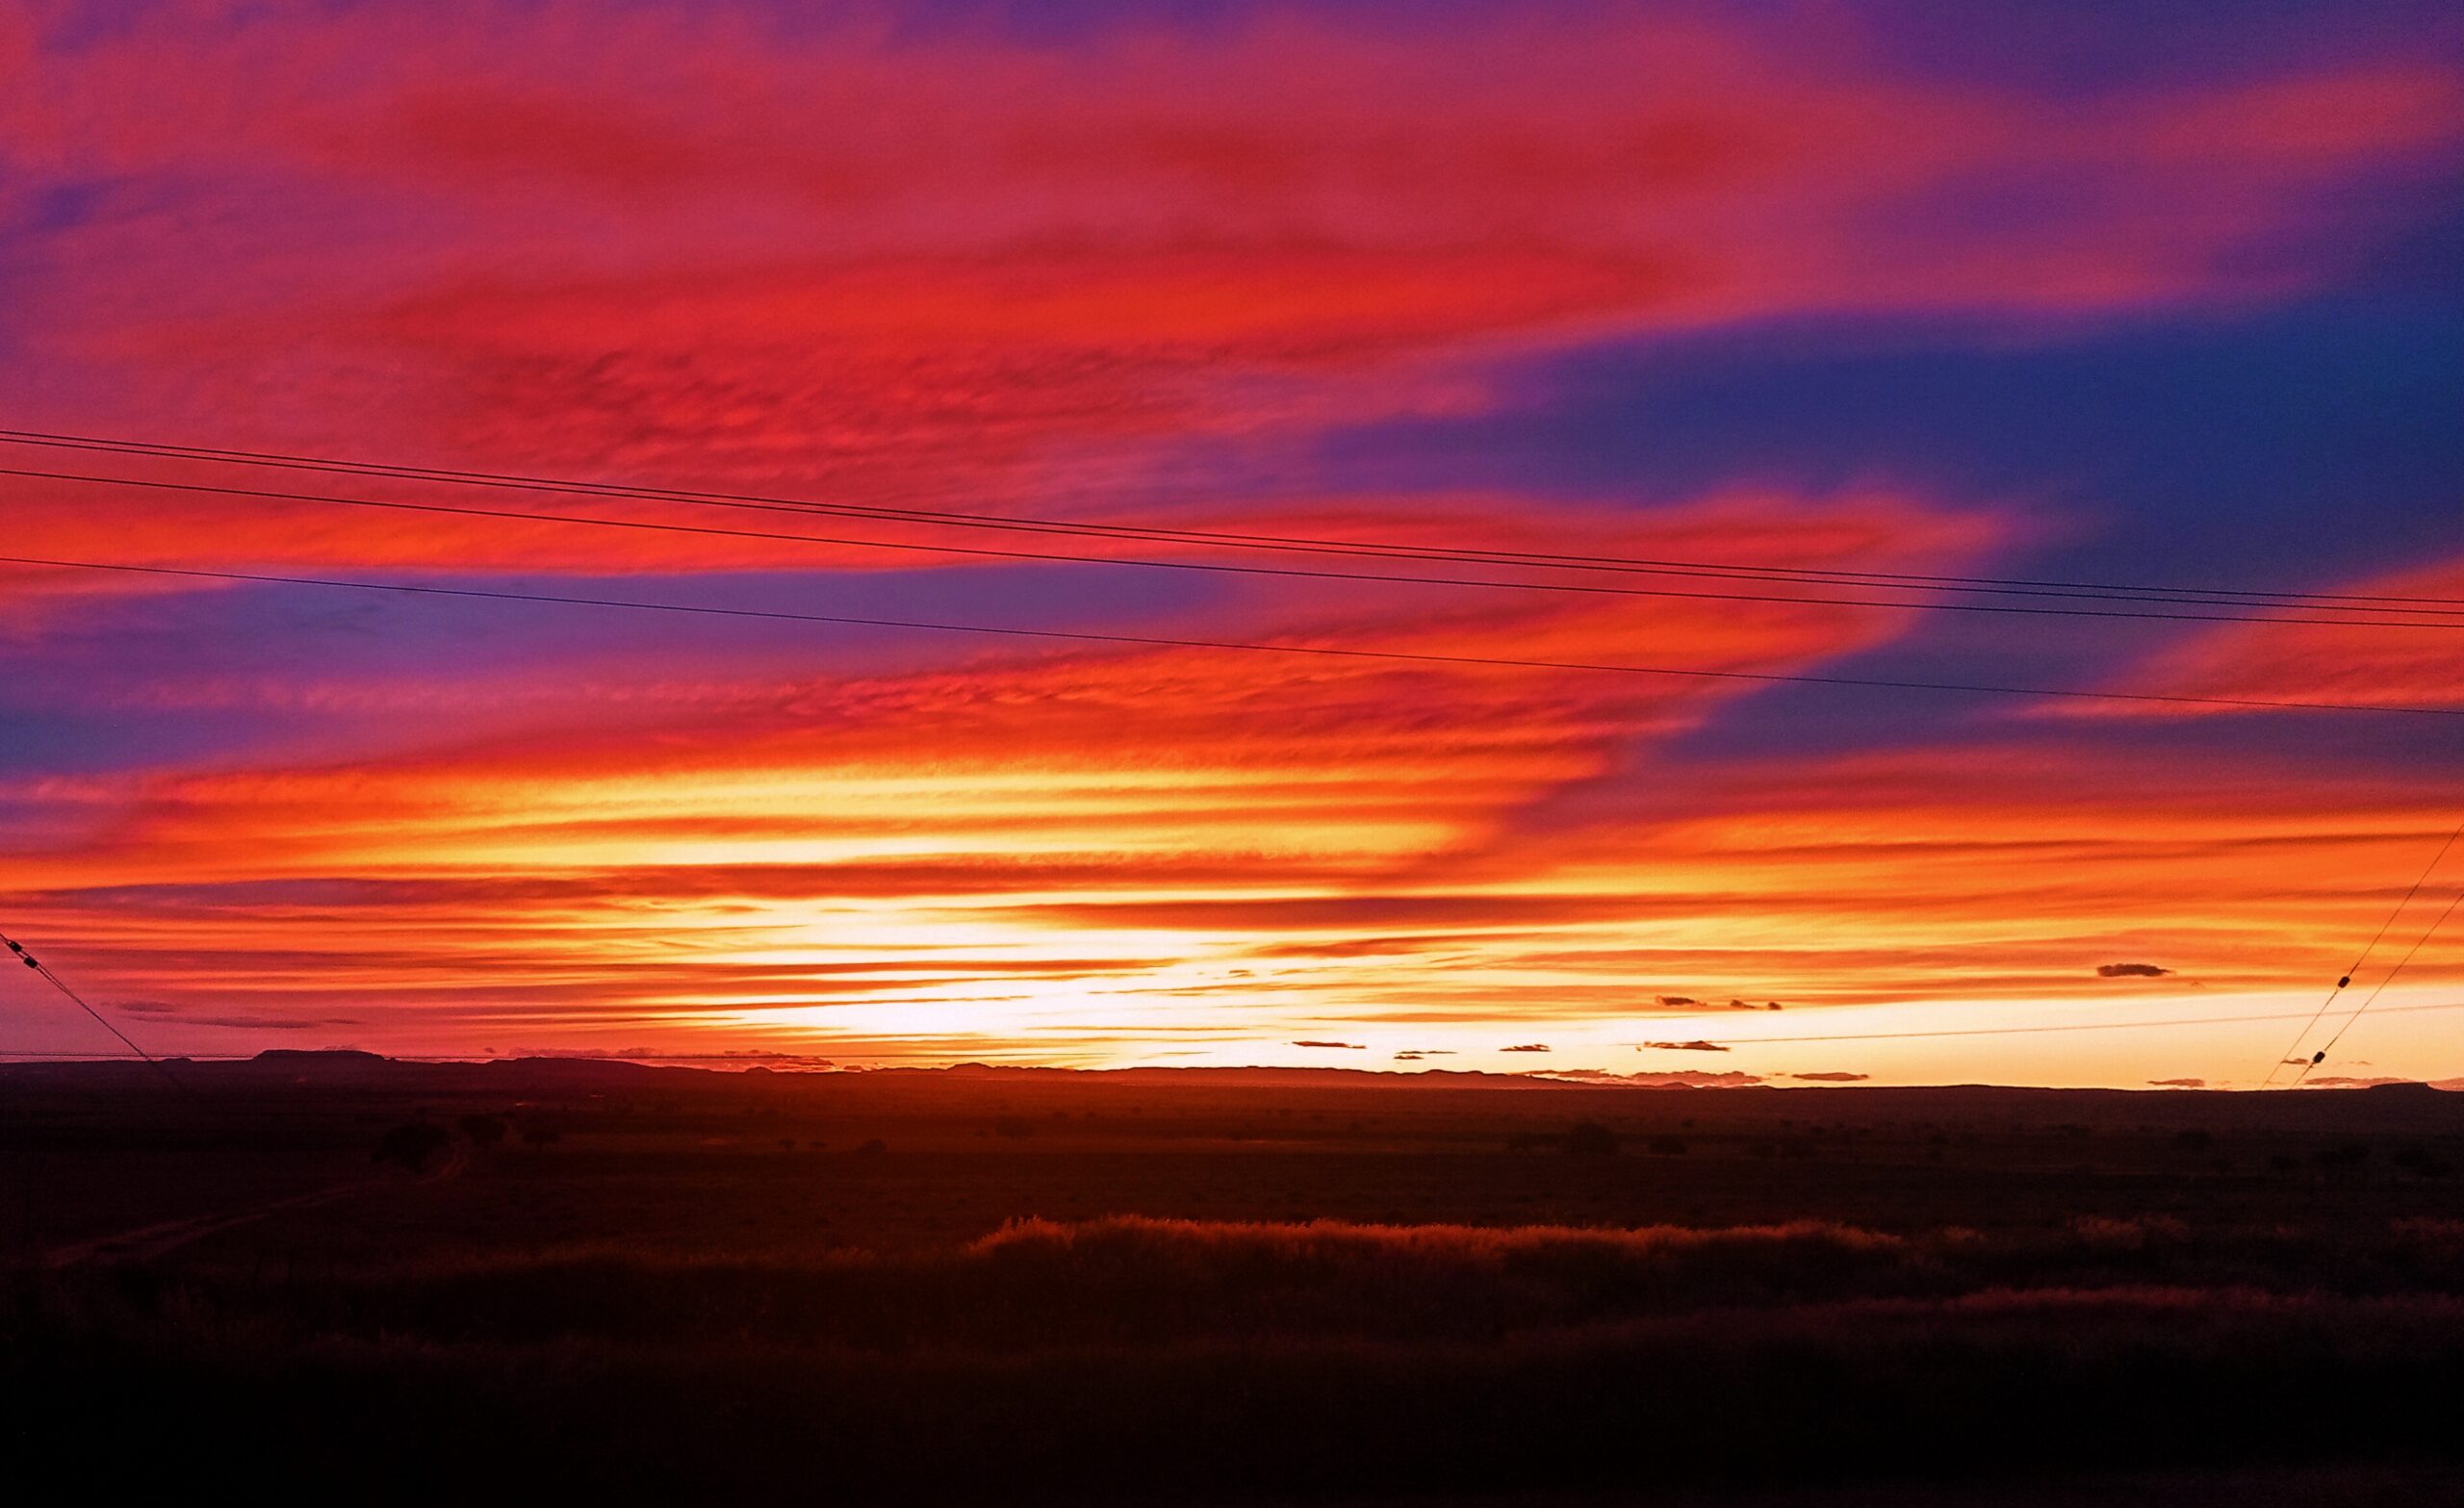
1654	1079
747	1056
1525	1047
1832	1077
1413	1053
1691	1001
1346	1046
249	1021
2177	1083
2131	971
1697	1045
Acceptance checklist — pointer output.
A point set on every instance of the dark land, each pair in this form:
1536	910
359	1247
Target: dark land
339	1276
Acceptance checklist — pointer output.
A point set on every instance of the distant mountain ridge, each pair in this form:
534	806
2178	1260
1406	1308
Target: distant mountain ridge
976	1088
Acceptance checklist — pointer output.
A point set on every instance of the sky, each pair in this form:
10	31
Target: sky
2162	294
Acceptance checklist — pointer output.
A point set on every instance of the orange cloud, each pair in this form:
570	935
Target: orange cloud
1032	834
2306	662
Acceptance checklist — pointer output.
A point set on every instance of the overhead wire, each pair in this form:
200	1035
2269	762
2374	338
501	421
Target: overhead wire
2270	606
44	970
2289	1055
1893	581
2371	999
2377	621
1734	1042
1160	641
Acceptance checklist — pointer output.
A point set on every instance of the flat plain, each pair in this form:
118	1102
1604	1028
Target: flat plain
628	1282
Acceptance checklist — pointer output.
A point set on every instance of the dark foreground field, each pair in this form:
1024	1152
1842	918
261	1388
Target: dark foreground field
581	1281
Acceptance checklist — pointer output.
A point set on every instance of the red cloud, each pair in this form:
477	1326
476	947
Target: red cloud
690	242
2309	662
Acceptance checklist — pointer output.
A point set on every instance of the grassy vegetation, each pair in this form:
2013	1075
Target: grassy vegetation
1132	1357
1142	1281
1074	1290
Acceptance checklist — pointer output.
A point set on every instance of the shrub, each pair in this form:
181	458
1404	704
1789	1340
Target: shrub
2349	1158
410	1145
2422	1162
1591	1138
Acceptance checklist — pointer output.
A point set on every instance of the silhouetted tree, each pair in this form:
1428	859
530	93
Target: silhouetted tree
2422	1162
484	1131
410	1145
2349	1158
1591	1138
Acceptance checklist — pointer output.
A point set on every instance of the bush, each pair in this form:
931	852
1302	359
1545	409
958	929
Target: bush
410	1145
1591	1138
2351	1157
484	1131
2422	1162
2006	1384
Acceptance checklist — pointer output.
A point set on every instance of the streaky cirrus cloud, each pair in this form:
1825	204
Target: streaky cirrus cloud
1066	798
2402	666
693	241
1156	273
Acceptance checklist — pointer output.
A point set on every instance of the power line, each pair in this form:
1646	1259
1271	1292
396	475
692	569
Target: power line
1157	641
2385	605
61	984
2436	922
2008	1031
2344	980
1233	569
1893	580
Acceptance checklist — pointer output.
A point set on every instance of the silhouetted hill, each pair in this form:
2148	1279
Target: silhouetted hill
1260	1077
971	1089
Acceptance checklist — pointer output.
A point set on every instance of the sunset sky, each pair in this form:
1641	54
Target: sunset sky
2163	294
